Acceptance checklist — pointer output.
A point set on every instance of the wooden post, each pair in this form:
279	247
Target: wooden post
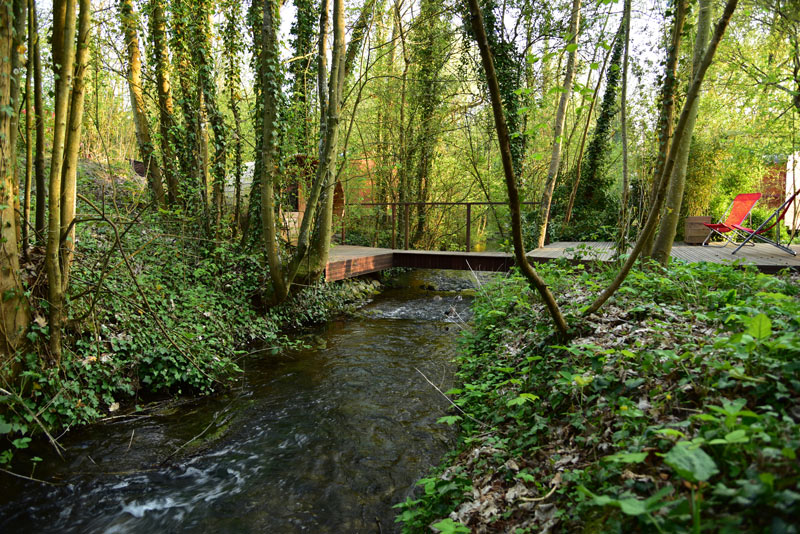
405	221
394	226
344	214
469	226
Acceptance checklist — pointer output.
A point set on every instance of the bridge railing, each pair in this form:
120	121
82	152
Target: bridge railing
406	209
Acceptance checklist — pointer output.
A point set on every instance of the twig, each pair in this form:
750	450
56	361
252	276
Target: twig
131	441
53	441
13	474
456	406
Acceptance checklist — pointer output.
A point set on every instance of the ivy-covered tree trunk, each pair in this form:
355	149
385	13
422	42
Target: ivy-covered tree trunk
205	78
302	68
429	47
41	185
662	247
190	153
26	207
326	167
558	130
592	199
13	306
138	107
166	106
232	45
19	8
270	87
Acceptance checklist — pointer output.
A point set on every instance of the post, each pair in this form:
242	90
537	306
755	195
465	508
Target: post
394	226
469	226
405	223
344	214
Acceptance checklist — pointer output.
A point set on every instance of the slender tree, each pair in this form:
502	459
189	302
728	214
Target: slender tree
667	111
503	137
663	180
558	130
139	109
166	106
41	186
662	247
64	59
13	306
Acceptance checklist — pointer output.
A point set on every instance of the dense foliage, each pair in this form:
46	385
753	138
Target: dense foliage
171	316
674	412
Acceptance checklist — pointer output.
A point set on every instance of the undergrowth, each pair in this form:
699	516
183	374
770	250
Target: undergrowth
674	410
173	316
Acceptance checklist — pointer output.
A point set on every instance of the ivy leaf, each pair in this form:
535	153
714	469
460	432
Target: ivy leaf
760	327
693	465
449	419
627	457
448	526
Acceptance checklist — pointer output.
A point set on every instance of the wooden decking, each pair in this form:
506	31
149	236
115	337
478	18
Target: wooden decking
349	261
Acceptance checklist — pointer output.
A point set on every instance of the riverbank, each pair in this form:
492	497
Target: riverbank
674	410
171	316
321	438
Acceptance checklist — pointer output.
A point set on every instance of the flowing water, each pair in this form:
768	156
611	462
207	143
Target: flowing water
324	439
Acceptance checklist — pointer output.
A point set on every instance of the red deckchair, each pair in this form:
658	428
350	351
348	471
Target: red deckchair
739	209
759	232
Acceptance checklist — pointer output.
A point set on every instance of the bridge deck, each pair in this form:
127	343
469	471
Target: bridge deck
348	261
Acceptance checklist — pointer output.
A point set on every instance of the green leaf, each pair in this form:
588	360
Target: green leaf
737	436
627	457
449	419
671	432
448	526
5	428
760	327
692	464
571	47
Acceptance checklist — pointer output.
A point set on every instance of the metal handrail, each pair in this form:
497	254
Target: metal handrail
407	205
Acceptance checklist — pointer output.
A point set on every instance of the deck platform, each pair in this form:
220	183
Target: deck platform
348	261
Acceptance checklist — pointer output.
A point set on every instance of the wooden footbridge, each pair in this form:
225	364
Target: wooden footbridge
348	261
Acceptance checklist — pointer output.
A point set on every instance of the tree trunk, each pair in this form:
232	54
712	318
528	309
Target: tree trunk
138	107
663	180
26	208
667	113
325	169
508	168
623	112
19	8
66	51
166	107
662	247
581	151
205	78
41	186
72	145
13	305
270	63
558	130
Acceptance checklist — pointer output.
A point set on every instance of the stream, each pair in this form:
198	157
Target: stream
323	439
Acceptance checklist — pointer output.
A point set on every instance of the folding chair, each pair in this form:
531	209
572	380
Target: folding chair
737	212
759	232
